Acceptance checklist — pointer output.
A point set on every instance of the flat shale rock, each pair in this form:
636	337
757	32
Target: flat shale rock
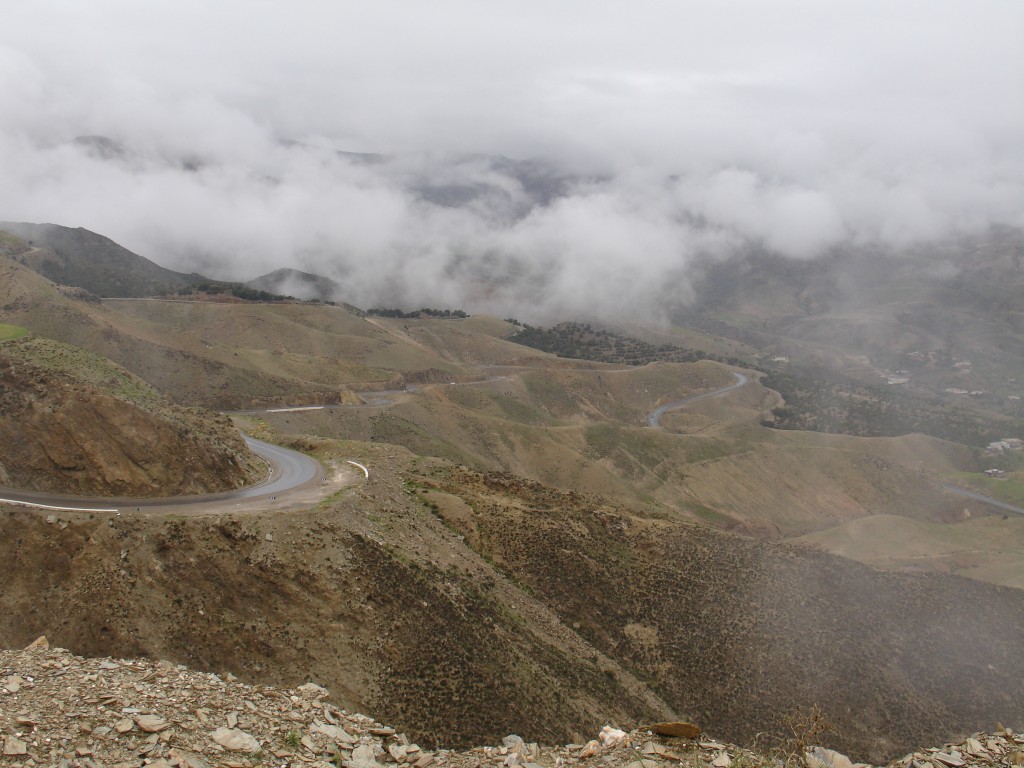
151	723
235	740
60	710
15	746
674	730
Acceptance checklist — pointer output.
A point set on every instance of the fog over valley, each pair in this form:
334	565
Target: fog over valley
495	156
630	385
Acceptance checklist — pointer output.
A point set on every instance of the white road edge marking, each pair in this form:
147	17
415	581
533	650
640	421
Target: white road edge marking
357	464
295	408
62	509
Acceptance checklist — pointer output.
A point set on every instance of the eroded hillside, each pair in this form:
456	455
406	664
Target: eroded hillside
72	422
461	606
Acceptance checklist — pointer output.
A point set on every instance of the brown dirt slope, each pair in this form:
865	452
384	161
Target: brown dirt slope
370	594
737	633
220	355
461	606
78	257
72	422
584	428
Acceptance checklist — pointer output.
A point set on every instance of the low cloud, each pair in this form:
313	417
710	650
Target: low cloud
647	152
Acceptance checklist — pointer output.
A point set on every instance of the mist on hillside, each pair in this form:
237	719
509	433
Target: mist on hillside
516	160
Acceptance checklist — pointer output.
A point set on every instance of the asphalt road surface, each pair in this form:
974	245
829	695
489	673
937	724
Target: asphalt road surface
289	470
654	420
983	498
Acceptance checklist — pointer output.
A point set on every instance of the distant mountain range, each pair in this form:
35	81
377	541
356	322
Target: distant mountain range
448	180
301	285
77	257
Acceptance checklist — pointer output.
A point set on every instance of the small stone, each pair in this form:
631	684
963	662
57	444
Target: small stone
590	749
611	736
187	759
15	746
424	761
333	732
398	752
235	740
13	683
819	757
1016	758
83	751
311	691
125	725
363	756
109	665
949	758
674	730
974	747
383	731
722	761
39	644
269	537
29	721
514	743
232	719
51	519
151	723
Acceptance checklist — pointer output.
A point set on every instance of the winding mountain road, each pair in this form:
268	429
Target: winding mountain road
289	471
654	419
975	496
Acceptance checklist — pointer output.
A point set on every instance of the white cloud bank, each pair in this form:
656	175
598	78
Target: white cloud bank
687	131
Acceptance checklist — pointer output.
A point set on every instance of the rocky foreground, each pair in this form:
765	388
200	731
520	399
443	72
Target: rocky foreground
57	709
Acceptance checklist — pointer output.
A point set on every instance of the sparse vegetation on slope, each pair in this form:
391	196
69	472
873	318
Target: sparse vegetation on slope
78	257
822	402
72	422
442	314
501	605
11	331
816	399
581	341
737	633
260	725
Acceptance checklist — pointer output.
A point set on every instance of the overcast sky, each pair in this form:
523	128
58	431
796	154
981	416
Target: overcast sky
798	125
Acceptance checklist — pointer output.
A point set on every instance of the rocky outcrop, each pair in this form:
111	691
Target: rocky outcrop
60	709
84	426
